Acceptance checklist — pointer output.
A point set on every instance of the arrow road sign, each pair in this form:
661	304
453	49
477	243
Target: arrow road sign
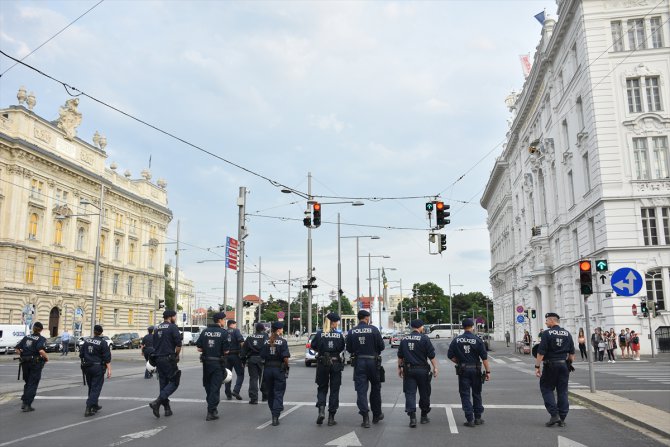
603	278
626	282
350	439
519	319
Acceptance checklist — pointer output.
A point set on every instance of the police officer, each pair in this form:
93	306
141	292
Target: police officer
329	345
235	340
414	352
167	346
31	350
275	354
556	352
466	350
147	345
95	359
213	344
251	350
365	344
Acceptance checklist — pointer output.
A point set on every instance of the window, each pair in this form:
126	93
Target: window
80	238
641	161
36	187
575	243
30	271
592	233
60	197
101	281
103	239
131	253
58	234
654	283
617	36
150	259
571	188
636	34
116	317
659	167
660	145
566	135
132	226
665	213
115	284
78	274
649	231
557	251
119	220
656	32
55	274
587	171
580	114
560	83
32	226
130	286
150	288
117	249
653	94
130	317
633	91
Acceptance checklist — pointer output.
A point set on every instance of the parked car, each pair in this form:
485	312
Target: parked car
80	342
55	344
310	354
126	340
396	338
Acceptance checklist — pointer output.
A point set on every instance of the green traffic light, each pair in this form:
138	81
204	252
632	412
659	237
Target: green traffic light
429	206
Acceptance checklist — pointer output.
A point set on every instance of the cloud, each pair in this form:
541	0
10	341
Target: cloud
22	48
327	123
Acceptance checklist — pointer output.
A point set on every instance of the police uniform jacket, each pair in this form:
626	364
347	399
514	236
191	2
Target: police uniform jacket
556	344
274	355
235	340
31	345
95	351
468	349
148	341
214	343
415	349
166	339
253	344
365	340
329	343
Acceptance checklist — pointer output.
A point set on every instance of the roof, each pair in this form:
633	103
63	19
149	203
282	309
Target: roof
252	298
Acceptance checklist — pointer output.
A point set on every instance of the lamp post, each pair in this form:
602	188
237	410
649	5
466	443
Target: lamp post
370	271
451	309
358	277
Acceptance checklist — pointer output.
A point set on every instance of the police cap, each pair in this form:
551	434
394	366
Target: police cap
277	325
468	322
416	324
260	327
218	316
169	313
231	322
552	315
97	329
362	314
38	325
150	329
333	316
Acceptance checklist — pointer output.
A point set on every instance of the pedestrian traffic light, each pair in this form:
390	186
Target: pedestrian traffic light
533	313
644	309
525	313
441	214
443	243
585	277
429	206
161	304
316	214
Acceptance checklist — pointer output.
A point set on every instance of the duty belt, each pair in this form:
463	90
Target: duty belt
273	363
217	359
233	352
371	357
410	366
471	365
555	361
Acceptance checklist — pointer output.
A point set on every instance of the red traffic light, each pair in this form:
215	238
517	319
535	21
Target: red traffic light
439	206
317	207
585	266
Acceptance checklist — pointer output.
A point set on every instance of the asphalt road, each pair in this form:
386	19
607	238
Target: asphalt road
514	412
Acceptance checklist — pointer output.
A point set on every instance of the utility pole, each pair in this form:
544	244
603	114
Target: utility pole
241	234
590	353
259	290
225	287
401	317
176	271
288	306
310	283
339	270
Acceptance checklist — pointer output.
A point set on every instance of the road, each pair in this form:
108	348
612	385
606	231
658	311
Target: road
514	412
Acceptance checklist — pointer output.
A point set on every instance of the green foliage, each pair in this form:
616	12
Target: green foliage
169	290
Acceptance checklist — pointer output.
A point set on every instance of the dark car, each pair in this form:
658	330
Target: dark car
126	340
54	344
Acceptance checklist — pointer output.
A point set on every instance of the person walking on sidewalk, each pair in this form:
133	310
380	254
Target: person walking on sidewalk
275	353
235	341
329	345
629	344
65	343
251	355
96	359
581	340
507	338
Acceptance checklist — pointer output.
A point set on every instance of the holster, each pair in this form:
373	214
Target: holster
405	370
382	374
325	360
353	361
285	368
459	369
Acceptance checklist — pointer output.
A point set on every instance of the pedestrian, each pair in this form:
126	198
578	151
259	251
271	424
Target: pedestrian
622	343
329	345
365	344
32	355
597	343
147	348
96	358
251	355
414	353
275	353
629	343
556	353
235	340
581	341
507	338
611	346
213	346
65	343
635	344
468	352
167	346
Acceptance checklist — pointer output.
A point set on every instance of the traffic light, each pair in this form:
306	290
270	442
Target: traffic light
533	313
601	265
307	221
525	313
316	214
644	309
161	304
441	214
443	243
429	206
585	277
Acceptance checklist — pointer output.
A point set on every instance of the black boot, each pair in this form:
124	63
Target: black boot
168	410
554	420
28	408
479	420
322	415
156	407
331	418
412	419
211	416
424	417
96	408
366	420
377	418
275	420
23	405
88	412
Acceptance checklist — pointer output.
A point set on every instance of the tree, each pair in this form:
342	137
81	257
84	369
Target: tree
169	290
347	309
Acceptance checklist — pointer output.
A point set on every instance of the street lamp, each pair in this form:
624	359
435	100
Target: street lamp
451	309
358	278
369	256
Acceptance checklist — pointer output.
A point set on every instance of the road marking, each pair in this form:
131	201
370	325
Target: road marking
452	422
138	435
350	439
65	427
497	360
565	442
260	427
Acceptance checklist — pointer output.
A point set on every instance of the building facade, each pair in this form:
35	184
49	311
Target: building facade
585	171
51	186
185	299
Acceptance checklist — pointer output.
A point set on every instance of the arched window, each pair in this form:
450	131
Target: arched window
32	226
131	253
654	283
103	239
117	249
150	260
80	238
58	234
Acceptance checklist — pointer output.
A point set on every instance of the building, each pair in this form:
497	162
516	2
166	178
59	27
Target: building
584	172
53	188
185	301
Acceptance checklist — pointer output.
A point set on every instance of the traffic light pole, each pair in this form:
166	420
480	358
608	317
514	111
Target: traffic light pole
589	350
241	234
651	332
309	258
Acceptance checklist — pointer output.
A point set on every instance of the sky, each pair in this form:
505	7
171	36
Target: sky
375	99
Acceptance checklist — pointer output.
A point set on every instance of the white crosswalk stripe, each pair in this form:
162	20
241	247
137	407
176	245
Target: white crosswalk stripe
657	374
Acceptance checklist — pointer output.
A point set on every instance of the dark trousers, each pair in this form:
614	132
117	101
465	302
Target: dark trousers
610	354
95	378
325	376
32	373
471	381
212	378
366	374
275	384
235	364
168	377
555	376
582	351
417	378
255	366
147	352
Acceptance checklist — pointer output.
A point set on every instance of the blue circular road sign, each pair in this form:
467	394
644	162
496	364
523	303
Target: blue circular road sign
626	282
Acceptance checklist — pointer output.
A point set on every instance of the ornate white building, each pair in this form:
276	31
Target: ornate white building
585	170
48	238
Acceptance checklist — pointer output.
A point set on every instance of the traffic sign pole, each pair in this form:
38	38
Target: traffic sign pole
589	351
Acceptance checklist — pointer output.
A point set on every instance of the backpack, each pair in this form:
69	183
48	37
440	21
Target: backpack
636	339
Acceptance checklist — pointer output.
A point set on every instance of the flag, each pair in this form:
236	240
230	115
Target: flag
149	161
540	17
525	64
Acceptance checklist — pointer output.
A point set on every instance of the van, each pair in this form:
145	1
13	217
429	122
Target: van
10	336
443	330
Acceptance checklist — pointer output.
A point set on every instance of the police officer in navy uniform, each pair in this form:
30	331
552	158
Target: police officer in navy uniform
235	340
466	350
275	354
414	353
167	346
251	355
147	345
556	352
95	358
329	345
213	344
33	356
365	344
